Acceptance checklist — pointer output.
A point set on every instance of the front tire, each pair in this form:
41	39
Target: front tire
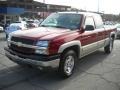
108	49
67	63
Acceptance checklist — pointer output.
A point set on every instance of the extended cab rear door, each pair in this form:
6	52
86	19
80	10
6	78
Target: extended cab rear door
100	31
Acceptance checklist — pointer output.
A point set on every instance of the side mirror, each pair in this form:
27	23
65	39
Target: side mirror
89	27
82	30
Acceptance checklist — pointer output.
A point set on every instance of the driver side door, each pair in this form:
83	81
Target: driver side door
89	37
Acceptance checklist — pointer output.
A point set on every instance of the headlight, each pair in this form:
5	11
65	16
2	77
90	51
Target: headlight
42	47
42	43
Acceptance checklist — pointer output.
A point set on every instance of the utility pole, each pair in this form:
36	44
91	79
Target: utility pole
44	9
44	1
98	6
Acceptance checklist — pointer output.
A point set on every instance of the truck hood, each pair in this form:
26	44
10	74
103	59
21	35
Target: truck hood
42	33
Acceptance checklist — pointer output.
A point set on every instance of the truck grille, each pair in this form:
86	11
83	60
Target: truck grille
20	49
23	50
22	40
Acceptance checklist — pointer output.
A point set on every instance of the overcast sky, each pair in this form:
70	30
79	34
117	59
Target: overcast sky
108	6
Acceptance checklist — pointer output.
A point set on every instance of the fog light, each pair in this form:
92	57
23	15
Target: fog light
41	50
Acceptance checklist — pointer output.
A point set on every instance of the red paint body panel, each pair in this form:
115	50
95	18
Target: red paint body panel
88	37
42	33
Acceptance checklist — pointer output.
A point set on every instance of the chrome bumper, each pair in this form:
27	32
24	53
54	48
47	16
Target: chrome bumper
42	64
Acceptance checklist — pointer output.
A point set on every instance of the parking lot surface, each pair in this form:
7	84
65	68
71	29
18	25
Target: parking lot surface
97	71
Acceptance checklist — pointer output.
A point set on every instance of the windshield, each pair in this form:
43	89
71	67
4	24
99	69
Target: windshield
62	20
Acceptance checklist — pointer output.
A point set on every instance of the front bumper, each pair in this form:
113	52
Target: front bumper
40	61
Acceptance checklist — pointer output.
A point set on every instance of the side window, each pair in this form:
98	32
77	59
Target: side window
89	24
98	21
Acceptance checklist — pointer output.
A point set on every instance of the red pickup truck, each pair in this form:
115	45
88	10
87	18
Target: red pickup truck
60	41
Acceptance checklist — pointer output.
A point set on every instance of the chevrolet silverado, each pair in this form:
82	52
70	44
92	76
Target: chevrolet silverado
60	41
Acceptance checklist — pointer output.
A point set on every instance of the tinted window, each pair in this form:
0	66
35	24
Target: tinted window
63	20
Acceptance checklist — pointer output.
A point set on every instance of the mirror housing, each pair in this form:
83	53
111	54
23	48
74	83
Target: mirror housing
89	27
82	30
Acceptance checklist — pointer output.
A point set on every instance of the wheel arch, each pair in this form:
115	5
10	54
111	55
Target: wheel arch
73	45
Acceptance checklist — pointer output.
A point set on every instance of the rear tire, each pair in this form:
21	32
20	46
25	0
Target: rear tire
67	63
108	49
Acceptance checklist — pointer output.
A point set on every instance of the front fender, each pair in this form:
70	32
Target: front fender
69	44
